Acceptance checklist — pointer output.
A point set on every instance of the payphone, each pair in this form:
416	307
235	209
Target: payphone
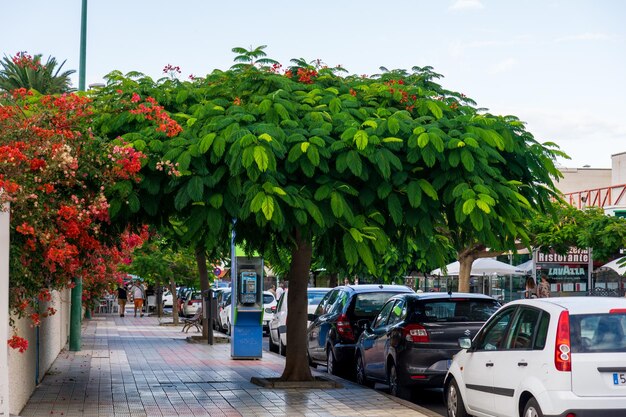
247	308
248	288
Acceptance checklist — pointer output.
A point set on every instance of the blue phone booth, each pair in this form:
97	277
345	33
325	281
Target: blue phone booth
247	310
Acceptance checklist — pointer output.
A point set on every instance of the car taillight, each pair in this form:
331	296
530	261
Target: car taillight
344	328
617	311
562	350
415	333
273	309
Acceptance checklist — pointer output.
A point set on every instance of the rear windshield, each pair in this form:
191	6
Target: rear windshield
268	298
314	298
368	304
453	310
598	332
196	296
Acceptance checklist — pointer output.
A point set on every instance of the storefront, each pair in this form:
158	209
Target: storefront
568	274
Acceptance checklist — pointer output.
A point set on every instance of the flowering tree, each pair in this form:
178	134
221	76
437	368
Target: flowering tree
25	71
56	175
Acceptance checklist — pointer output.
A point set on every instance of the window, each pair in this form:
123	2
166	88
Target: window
368	304
598	332
398	313
542	331
454	310
268	298
381	319
492	336
523	329
326	301
314	297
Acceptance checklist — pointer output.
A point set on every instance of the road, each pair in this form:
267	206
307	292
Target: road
431	399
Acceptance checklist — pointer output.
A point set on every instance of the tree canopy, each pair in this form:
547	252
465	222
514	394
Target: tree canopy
26	71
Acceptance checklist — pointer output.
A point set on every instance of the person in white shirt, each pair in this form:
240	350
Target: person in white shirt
139	295
280	290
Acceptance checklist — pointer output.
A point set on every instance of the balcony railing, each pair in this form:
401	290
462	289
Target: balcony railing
598	197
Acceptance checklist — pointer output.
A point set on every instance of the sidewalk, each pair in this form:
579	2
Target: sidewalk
134	367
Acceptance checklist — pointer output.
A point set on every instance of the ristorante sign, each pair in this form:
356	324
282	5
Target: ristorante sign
574	256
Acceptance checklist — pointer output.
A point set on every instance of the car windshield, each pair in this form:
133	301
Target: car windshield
196	296
314	298
453	310
598	333
268	298
368	304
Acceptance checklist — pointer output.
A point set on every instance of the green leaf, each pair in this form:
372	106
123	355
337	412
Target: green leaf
366	256
349	250
183	161
195	188
414	194
261	158
182	199
370	123
477	220
395	209
206	142
216	200
349	133
114	207
335	105
219	146
393	125
356	235
361	139
314	212
182	95
337	204
133	203
434	109
313	155
191	121
257	202
265	137
423	140
282	111
265	106
469	206
353	159
304	146
483	206
428	189
468	160
268	207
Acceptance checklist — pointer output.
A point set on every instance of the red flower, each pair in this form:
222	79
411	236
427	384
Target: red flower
135	98
18	343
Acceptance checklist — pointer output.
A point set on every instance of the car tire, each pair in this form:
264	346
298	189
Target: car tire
273	346
532	409
331	362
229	329
454	401
282	347
395	388
361	377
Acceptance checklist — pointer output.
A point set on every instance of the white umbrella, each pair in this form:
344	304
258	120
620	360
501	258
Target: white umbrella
614	265
481	266
526	267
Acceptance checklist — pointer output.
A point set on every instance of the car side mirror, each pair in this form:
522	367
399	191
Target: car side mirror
465	342
311	317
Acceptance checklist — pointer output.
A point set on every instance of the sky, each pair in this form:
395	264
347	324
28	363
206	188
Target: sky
558	65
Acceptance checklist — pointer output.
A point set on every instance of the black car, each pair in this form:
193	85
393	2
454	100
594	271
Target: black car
337	323
412	340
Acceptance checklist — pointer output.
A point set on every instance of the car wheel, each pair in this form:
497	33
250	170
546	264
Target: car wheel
532	409
283	347
454	401
395	388
273	346
361	377
229	329
331	362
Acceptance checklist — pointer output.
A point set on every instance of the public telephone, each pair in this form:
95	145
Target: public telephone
248	288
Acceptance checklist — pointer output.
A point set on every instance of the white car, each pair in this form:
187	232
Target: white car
278	324
224	309
192	303
562	356
168	299
269	307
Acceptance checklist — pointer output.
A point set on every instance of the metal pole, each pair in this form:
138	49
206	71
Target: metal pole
83	47
4	308
233	286
75	314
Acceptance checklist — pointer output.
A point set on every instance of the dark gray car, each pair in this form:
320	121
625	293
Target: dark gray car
412	340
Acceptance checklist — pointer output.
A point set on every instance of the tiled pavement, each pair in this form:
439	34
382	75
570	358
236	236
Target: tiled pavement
132	367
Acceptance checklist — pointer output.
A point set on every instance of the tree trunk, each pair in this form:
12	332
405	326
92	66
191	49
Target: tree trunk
465	271
204	286
174	301
332	280
159	297
297	364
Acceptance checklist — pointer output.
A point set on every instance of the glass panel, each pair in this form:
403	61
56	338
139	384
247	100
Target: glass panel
523	329
454	310
398	313
367	305
492	336
598	332
381	319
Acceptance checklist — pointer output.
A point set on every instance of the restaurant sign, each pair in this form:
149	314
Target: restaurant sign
574	256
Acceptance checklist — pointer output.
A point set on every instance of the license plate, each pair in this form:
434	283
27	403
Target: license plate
619	379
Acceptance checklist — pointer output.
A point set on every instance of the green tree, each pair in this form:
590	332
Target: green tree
25	71
310	161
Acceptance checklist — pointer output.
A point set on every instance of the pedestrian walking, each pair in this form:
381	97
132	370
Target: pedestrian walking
543	289
531	289
273	291
122	297
139	295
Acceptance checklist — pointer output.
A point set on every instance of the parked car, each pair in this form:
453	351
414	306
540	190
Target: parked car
278	324
168	299
412	340
191	303
269	308
333	332
563	356
223	309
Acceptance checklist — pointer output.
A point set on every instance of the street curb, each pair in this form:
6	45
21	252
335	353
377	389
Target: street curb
425	411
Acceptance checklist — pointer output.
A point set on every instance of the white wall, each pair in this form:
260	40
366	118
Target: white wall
53	337
618	164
